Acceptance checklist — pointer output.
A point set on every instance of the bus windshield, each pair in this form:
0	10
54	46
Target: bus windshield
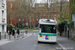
48	28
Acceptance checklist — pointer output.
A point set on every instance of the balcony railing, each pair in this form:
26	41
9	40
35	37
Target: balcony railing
3	19
3	5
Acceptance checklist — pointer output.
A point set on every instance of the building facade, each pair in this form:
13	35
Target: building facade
39	12
3	16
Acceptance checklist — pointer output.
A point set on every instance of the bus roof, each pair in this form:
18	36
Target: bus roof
48	21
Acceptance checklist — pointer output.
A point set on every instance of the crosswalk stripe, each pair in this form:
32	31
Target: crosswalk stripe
34	33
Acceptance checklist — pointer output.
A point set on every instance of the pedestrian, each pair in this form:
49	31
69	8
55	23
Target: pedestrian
13	32
9	32
26	31
18	32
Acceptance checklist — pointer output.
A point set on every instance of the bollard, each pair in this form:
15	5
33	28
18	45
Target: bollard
0	35
26	31
14	37
9	37
68	31
5	35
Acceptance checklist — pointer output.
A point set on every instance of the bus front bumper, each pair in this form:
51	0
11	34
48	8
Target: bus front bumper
49	39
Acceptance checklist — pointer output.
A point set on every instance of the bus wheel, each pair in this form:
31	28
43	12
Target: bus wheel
38	41
55	43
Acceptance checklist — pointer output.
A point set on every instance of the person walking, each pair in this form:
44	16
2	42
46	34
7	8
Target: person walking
13	32
9	32
26	31
18	32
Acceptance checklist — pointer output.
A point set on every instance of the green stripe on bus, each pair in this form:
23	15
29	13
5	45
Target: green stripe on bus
51	34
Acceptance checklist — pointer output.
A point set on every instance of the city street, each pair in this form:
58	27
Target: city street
29	43
37	25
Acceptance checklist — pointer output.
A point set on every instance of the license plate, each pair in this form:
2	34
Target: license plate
40	35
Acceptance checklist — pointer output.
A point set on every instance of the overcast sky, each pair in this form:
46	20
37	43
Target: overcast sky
42	1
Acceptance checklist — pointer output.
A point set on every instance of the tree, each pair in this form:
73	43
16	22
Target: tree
64	12
21	9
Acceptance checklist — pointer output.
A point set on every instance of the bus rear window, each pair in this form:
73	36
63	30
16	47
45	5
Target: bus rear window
48	28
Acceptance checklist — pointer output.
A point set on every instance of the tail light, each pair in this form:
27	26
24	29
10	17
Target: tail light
53	34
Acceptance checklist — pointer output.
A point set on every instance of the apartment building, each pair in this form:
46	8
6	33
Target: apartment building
3	16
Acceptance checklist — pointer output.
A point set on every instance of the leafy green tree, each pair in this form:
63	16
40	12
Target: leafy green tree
62	18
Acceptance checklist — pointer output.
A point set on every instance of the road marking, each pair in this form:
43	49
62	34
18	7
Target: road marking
27	36
34	33
64	48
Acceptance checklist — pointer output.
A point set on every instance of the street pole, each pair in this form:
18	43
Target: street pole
60	12
60	5
68	28
0	35
11	11
34	18
30	22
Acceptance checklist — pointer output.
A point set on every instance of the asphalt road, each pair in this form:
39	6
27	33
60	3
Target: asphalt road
29	43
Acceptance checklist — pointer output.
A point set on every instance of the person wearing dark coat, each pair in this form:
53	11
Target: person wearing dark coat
13	32
18	32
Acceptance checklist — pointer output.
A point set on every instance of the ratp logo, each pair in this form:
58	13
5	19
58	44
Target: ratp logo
47	37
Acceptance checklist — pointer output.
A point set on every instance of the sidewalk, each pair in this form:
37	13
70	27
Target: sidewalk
67	43
7	40
4	41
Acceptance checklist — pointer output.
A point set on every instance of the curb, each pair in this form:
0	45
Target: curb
62	47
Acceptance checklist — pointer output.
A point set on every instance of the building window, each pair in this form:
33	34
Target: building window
19	19
2	1
2	13
51	16
44	16
22	19
40	16
33	19
47	16
2	28
54	17
11	4
37	18
26	24
30	18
